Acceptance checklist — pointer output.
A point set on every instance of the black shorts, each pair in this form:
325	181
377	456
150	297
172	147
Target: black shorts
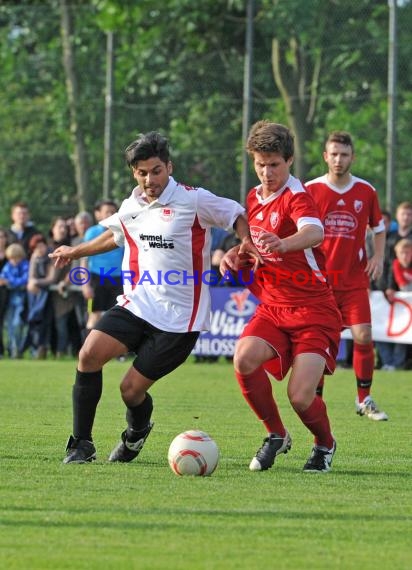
157	352
105	292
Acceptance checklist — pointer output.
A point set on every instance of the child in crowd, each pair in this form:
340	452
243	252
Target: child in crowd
14	276
402	267
40	307
4	292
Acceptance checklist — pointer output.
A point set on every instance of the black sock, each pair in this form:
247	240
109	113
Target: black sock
87	390
138	418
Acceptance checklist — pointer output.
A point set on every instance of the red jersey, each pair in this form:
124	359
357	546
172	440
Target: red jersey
402	276
346	213
295	278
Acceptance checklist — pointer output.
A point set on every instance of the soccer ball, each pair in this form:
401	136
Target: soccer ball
193	453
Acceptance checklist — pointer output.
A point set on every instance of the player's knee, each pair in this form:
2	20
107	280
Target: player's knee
132	393
244	362
88	358
300	400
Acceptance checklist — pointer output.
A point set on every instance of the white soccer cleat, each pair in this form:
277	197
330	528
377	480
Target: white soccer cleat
369	409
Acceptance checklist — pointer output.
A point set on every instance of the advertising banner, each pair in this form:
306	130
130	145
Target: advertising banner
232	307
391	322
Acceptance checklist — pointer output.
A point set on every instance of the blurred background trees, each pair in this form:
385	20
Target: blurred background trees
178	68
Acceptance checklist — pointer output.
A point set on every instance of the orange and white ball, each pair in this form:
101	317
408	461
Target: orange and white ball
193	453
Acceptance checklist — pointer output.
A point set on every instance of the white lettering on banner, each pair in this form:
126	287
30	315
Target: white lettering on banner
400	317
226	325
232	307
215	346
390	322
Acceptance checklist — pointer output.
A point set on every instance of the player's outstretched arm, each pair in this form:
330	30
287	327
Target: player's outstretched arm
65	254
308	236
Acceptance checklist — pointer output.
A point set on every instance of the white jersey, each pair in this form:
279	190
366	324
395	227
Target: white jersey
166	264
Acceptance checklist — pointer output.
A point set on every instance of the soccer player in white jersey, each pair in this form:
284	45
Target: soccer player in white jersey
349	205
165	229
297	324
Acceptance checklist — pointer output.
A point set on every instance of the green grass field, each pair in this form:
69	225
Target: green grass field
142	516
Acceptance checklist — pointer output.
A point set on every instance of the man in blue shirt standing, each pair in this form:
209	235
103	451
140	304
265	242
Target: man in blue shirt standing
105	269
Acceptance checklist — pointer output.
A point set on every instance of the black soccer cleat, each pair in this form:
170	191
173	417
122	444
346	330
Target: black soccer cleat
272	446
79	451
126	450
320	460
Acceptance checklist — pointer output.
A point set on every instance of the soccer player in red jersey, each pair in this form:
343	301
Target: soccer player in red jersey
297	324
347	206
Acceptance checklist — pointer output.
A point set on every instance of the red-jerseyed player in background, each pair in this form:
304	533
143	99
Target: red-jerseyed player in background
348	205
297	324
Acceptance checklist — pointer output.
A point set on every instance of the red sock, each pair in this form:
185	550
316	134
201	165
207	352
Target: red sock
363	363
316	420
257	391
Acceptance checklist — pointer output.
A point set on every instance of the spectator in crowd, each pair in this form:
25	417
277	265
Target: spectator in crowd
403	217
82	222
218	234
100	291
40	305
394	354
14	276
22	228
63	298
228	241
58	233
4	292
71	227
401	268
376	284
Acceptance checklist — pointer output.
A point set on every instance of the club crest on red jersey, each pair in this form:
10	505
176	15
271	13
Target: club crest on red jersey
358	205
167	214
274	219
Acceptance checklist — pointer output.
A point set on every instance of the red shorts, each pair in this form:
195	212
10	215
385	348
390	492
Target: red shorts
354	307
297	330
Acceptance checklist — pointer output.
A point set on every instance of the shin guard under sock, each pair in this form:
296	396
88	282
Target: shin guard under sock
86	394
363	364
316	420
257	391
138	417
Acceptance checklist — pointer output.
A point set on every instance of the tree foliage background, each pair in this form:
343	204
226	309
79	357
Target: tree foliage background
318	65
